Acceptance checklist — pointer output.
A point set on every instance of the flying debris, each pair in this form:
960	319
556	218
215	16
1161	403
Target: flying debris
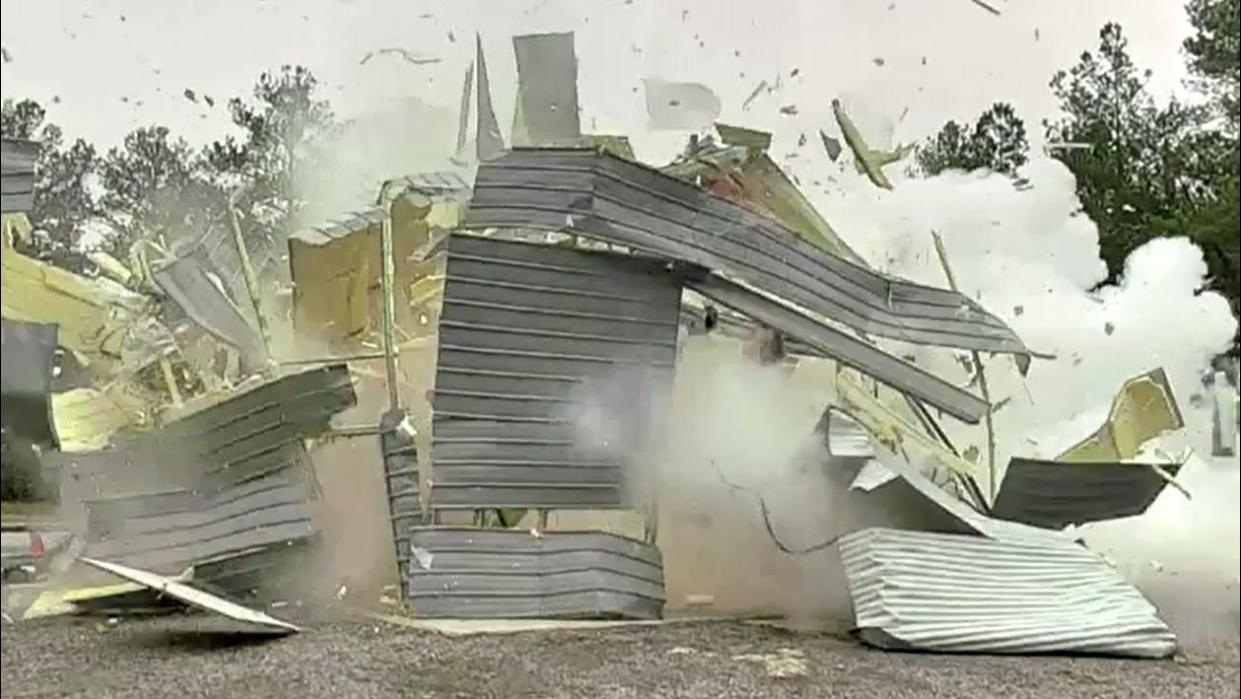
189	95
210	102
987	7
869	162
878	60
789	110
680	106
405	54
4	53
758	90
452	37
831	145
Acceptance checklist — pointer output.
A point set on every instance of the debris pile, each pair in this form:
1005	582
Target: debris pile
554	291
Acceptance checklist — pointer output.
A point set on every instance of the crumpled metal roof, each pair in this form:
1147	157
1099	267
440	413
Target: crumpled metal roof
1055	494
845	348
971	594
458	572
599	195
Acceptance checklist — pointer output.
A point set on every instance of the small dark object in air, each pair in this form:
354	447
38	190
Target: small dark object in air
801	140
4	53
1109	328
789	110
452	37
189	95
210	102
1018	310
794	72
878	60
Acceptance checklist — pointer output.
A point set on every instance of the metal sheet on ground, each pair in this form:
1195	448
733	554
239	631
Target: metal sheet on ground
197	598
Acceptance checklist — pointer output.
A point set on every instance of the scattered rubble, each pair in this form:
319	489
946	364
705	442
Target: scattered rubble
541	276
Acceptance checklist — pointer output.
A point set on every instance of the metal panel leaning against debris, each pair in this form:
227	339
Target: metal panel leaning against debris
1143	409
970	594
1055	494
530	338
507	573
621	202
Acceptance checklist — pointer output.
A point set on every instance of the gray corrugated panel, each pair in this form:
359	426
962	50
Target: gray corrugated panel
17	175
462	572
258	430
401	478
599	195
221	249
527	334
547	87
844	348
26	380
1054	494
442	183
963	594
171	531
187	282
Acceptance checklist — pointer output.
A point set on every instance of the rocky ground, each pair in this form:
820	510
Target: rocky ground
195	656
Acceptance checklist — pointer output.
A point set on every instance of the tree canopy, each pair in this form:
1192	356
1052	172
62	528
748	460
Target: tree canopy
996	141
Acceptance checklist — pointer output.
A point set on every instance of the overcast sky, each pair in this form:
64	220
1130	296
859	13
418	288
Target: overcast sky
103	67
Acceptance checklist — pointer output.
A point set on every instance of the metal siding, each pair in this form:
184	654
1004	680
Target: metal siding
844	348
465	572
524	330
17	164
969	594
26	381
401	480
238	473
599	195
1054	494
547	87
186	281
259	514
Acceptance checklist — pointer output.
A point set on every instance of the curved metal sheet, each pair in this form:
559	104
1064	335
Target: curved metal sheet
599	195
1054	494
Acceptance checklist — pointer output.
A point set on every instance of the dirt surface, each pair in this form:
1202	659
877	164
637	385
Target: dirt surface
195	657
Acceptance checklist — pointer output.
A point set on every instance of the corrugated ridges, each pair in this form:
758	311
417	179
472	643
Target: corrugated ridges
1055	494
845	348
17	161
466	572
524	331
959	593
170	531
598	195
186	282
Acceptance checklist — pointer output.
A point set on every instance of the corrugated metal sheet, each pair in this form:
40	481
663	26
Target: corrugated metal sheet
221	249
188	282
26	380
505	573
844	348
1054	494
526	336
547	87
168	532
602	196
969	594
17	160
401	478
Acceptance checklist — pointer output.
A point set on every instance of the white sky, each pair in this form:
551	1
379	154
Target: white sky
92	53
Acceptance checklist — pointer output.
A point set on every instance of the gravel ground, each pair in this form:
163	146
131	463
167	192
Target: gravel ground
195	657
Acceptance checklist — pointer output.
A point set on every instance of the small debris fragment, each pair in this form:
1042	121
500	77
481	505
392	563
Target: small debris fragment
452	37
342	591
4	54
986	7
210	102
1018	310
801	140
1109	328
189	95
789	110
423	557
831	145
794	72
878	60
758	90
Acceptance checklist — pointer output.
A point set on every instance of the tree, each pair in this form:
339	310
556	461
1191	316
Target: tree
996	141
63	201
155	189
282	124
1144	170
1214	52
